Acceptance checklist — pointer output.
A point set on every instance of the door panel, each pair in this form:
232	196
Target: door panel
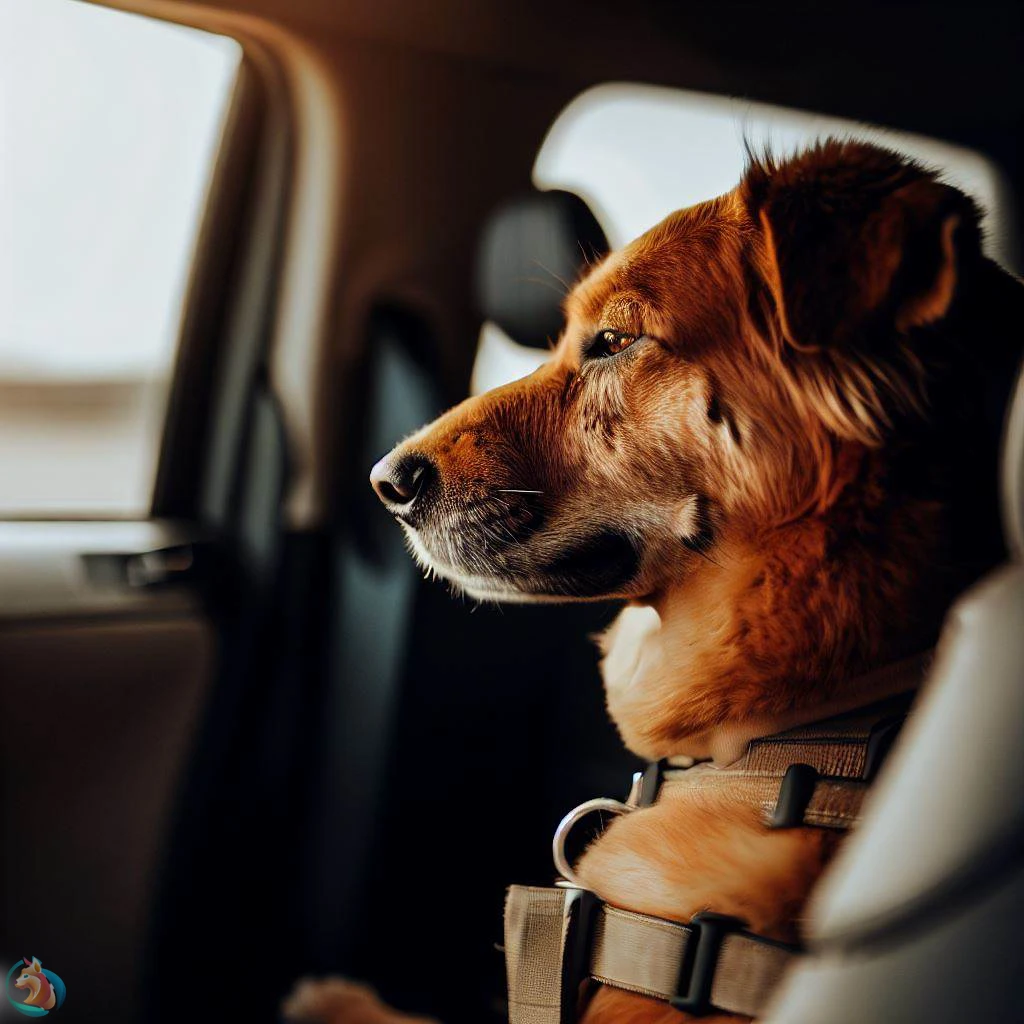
123	271
89	772
101	683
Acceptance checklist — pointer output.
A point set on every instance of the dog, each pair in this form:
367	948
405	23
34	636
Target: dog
768	428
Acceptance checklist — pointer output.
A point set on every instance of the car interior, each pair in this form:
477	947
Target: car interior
251	245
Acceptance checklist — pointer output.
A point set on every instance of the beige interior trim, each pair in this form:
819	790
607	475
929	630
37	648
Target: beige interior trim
45	576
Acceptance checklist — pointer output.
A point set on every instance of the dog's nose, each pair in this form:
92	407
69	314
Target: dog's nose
399	482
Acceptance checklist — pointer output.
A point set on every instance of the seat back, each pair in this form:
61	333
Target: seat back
919	919
532	250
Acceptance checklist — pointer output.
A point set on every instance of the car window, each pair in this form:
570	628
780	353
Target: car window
674	148
103	182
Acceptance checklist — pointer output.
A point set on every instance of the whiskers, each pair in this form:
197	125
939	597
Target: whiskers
479	545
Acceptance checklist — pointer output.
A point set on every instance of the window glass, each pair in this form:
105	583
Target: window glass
109	128
638	152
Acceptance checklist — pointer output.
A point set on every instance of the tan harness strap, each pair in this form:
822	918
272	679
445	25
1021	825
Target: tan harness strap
840	753
837	746
835	803
537	925
842	758
747	974
635	952
638	953
556	939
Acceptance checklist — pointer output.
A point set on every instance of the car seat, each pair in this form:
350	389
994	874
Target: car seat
919	918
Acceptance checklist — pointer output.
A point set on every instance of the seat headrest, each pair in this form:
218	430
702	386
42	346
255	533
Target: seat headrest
531	252
1013	471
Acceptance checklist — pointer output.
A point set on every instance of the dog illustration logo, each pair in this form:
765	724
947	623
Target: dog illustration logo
33	990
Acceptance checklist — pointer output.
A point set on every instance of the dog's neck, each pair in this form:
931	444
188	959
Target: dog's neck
730	742
775	633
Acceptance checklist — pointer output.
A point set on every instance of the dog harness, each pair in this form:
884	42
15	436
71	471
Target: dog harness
557	940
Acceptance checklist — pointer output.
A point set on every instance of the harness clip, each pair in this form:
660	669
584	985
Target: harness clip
569	822
707	930
795	794
581	906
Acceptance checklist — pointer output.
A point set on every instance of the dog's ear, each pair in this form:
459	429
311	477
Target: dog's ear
857	242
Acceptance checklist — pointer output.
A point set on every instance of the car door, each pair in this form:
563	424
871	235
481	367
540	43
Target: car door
149	236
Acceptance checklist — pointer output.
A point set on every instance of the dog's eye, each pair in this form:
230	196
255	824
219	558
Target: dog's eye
608	343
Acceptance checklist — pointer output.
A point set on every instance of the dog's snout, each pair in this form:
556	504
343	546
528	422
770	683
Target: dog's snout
401	482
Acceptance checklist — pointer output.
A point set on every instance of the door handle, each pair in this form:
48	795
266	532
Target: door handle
164	565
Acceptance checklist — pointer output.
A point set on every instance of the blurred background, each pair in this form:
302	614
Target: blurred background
244	248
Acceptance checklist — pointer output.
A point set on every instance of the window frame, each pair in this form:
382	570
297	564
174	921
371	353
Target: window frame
228	308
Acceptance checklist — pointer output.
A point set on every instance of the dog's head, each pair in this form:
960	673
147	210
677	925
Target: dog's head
719	376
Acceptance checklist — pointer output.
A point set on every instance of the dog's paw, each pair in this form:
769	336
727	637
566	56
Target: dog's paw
339	1001
332	1001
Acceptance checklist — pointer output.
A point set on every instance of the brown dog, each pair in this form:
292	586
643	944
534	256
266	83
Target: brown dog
763	428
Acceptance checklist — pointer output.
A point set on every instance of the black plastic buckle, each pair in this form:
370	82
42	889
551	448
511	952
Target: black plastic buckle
580	911
795	794
800	780
697	973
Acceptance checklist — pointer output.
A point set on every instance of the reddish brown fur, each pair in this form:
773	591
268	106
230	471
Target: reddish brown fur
789	448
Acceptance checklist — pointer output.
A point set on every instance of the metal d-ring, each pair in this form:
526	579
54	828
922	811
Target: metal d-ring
566	825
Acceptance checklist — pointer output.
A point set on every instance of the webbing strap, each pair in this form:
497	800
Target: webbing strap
635	952
834	803
638	953
647	955
841	753
747	974
556	939
543	954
